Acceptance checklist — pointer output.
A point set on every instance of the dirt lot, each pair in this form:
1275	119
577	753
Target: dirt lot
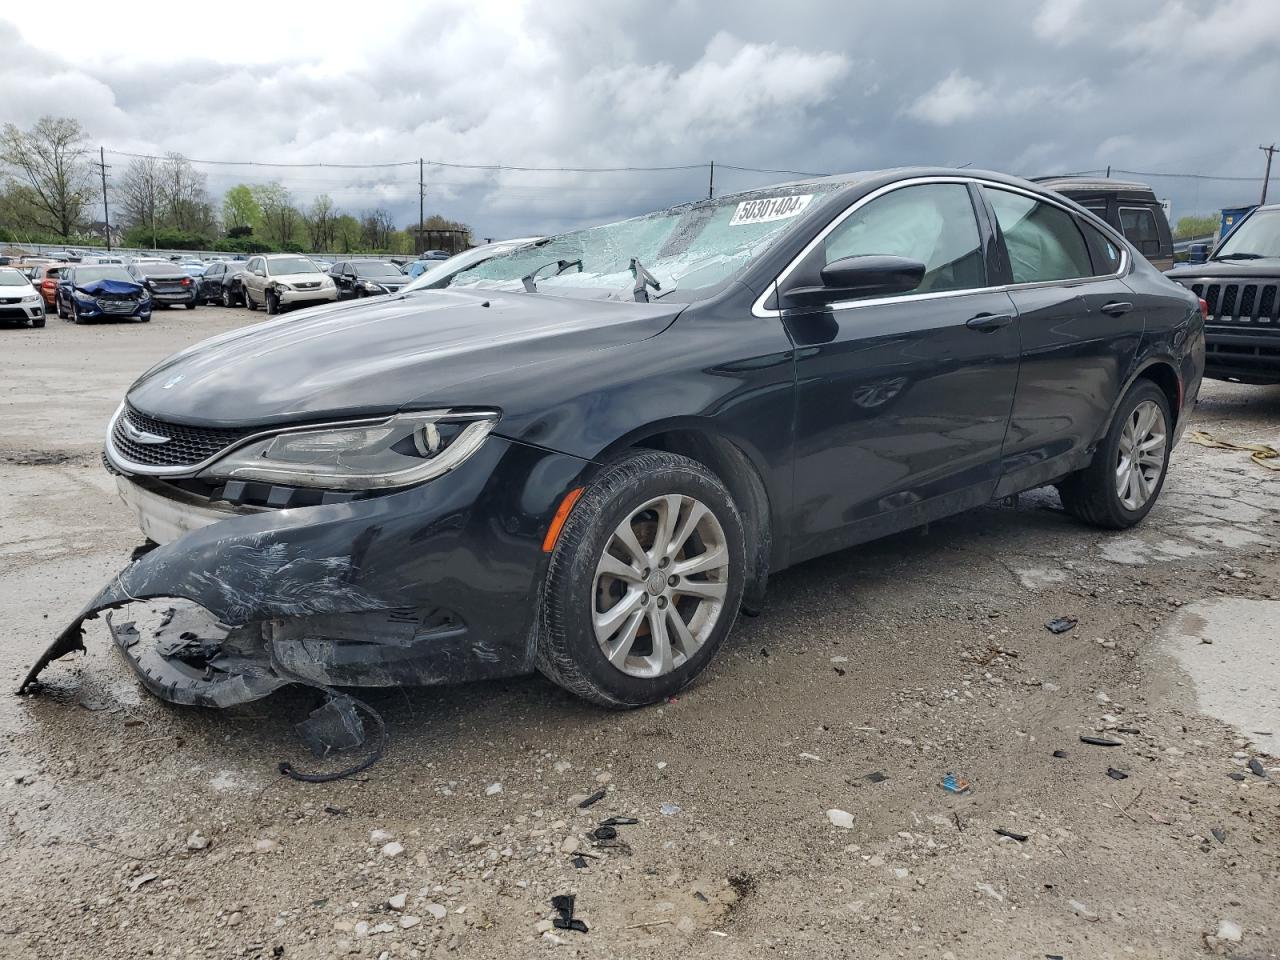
131	828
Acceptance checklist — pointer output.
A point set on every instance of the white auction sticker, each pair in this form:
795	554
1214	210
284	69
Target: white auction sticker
769	208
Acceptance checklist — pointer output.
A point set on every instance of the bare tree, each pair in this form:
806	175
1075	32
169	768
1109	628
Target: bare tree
183	194
376	228
50	166
321	220
138	193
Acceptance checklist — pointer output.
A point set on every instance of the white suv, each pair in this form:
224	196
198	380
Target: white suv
284	279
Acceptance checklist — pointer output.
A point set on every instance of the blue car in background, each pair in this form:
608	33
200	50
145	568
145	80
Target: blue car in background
94	292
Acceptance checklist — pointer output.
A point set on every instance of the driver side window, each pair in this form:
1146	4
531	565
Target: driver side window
933	223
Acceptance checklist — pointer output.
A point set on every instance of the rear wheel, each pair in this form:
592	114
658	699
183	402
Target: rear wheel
1126	476
644	583
227	299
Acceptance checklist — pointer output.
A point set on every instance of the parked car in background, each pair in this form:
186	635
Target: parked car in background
1240	284
366	278
45	278
281	280
194	268
99	291
325	265
424	262
220	283
589	471
19	300
442	273
1130	207
168	284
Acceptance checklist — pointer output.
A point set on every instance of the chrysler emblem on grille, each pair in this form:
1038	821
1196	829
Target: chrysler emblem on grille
141	436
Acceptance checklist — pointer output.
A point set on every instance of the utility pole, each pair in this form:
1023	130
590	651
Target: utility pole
1266	177
106	217
421	245
711	183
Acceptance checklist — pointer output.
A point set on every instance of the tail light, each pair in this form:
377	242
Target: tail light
186	281
1204	309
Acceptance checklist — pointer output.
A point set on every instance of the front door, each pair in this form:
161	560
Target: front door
903	401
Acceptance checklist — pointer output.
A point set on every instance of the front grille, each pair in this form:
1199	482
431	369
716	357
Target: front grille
306	286
1241	303
185	447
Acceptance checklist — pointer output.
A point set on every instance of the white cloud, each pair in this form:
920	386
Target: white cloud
1059	21
956	97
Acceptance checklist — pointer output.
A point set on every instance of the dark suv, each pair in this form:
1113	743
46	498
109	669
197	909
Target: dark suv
1240	283
1130	207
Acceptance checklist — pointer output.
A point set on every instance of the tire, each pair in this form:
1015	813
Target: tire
192	305
37	323
75	313
146	319
1094	493
227	300
248	300
273	304
62	314
633	491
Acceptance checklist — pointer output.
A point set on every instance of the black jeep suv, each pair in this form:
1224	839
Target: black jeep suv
1240	283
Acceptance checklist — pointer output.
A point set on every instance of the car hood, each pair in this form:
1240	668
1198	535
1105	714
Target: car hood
109	286
1266	267
373	357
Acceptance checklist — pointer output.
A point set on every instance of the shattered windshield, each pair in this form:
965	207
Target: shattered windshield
690	248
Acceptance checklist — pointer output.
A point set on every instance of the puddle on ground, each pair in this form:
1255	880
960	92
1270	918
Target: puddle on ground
1237	672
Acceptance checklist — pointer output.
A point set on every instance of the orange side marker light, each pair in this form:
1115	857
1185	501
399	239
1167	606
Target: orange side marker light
557	522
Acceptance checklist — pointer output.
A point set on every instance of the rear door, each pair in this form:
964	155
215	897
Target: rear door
1141	225
902	401
1080	333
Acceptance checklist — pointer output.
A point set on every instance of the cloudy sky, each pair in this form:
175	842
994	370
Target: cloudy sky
1026	86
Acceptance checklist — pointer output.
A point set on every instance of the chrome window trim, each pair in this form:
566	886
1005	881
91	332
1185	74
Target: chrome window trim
758	308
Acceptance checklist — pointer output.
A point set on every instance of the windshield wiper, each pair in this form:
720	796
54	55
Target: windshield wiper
644	280
1240	256
561	266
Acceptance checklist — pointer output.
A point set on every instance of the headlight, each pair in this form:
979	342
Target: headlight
397	452
371	286
31	298
282	286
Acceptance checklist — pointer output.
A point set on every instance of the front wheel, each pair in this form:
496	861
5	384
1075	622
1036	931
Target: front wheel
644	583
248	301
37	322
1126	476
273	304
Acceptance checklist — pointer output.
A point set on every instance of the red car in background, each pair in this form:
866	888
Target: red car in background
45	279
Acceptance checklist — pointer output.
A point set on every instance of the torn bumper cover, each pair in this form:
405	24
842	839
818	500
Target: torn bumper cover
433	584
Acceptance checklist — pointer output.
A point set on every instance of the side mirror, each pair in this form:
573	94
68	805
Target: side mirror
1198	253
877	275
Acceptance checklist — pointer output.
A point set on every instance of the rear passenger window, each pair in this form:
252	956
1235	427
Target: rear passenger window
1105	251
933	223
1043	241
1139	227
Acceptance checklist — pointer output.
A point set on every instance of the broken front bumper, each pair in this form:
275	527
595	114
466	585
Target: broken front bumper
434	584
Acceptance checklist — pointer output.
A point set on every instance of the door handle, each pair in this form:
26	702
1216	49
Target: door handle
1117	308
987	322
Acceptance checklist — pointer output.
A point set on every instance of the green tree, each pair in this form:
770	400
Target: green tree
1190	227
49	166
240	208
280	219
346	234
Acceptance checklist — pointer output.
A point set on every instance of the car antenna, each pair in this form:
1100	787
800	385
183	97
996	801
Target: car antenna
644	280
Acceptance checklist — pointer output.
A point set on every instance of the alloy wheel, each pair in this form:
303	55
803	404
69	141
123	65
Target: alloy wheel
1140	455
660	586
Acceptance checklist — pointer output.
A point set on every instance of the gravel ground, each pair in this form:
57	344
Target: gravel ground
132	828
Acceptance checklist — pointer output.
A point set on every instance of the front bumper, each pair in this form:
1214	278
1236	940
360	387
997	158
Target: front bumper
435	584
93	309
1249	357
321	295
21	312
164	517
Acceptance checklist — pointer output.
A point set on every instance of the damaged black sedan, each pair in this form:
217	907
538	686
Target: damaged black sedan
586	455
